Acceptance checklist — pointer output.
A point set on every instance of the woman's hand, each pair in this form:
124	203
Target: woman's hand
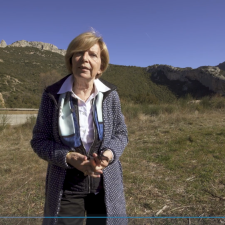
81	163
102	163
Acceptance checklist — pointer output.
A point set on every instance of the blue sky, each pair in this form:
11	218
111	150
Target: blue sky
138	33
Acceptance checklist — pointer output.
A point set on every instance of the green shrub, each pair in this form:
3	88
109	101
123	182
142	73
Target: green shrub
152	110
205	102
169	109
218	102
145	99
130	111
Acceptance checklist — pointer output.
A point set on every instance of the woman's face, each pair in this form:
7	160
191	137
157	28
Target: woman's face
87	64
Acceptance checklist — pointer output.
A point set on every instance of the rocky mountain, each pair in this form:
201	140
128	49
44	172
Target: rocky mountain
35	44
222	66
3	44
211	77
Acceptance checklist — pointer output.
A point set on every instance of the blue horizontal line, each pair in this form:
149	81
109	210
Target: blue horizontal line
129	217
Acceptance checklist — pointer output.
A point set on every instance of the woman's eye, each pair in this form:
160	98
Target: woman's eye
78	53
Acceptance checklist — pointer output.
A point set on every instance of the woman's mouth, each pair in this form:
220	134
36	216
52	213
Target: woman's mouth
84	68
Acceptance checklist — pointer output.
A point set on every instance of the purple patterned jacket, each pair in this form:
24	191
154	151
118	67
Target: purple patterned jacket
48	146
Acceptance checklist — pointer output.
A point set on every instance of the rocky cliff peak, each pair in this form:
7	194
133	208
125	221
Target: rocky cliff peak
209	76
35	44
221	66
3	44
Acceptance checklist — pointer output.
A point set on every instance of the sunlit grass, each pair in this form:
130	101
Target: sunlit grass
176	160
174	165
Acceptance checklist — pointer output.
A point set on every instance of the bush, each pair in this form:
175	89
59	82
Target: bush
218	102
205	102
152	110
130	111
145	99
169	109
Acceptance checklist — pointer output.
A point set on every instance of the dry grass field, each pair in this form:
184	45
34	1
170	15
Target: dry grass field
173	166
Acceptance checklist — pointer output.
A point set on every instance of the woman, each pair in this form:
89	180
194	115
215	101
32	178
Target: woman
80	131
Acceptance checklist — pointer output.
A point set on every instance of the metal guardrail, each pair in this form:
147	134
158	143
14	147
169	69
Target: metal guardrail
15	116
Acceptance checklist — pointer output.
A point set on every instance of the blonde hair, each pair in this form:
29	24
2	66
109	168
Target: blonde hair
83	42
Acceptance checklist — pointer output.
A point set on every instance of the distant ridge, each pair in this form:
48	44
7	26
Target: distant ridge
23	63
222	66
211	77
35	44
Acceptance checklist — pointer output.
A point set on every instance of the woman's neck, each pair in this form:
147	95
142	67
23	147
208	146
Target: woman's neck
83	88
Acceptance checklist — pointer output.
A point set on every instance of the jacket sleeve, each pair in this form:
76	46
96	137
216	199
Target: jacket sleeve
43	142
116	135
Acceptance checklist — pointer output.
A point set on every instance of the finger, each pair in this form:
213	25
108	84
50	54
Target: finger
100	164
92	167
95	155
96	158
95	175
92	163
104	163
96	168
79	156
83	157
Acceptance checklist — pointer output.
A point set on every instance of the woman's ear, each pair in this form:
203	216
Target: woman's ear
98	75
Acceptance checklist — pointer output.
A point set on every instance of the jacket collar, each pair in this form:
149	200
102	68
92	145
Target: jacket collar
55	88
67	86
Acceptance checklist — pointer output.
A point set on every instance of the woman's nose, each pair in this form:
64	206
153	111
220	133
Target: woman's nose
85	56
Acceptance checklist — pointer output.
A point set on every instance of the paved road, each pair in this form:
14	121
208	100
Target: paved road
15	119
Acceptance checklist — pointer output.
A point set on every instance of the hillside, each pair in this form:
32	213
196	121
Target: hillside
19	74
21	84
